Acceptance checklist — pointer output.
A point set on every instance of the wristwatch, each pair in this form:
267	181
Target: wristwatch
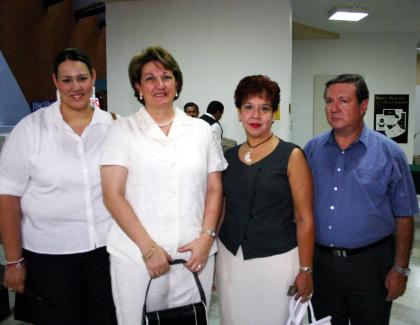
210	232
403	270
306	269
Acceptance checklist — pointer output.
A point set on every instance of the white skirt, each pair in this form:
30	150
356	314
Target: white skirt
254	291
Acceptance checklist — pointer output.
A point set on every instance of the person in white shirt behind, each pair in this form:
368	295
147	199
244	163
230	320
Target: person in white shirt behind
161	178
212	116
53	222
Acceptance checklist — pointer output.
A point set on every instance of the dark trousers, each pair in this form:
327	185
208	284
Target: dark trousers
70	289
353	288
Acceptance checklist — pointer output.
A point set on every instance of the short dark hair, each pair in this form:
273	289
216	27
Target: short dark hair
71	54
153	53
214	107
190	104
362	91
258	85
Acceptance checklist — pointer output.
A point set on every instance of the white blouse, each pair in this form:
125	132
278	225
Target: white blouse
55	172
167	178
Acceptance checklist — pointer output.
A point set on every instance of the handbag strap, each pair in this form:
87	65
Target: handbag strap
197	281
311	311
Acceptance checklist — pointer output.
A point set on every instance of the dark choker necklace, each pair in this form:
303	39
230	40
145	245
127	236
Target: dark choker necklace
247	155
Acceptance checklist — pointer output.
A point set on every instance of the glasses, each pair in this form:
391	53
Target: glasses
265	108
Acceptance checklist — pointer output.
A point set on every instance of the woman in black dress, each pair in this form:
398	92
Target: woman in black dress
267	235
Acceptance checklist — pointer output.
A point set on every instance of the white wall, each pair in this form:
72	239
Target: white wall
216	43
388	63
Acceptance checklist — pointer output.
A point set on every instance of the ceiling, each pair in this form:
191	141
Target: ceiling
385	16
310	17
84	8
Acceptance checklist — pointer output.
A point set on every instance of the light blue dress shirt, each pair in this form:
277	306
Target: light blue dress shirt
359	191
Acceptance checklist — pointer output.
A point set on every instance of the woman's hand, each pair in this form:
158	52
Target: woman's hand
14	278
158	263
200	249
304	285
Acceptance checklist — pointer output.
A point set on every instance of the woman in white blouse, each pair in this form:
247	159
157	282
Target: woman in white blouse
52	219
161	178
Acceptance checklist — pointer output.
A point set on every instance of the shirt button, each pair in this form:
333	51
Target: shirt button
343	152
335	188
339	169
331	245
330	227
332	207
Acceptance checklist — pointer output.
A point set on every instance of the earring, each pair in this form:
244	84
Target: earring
176	95
141	96
57	94
94	102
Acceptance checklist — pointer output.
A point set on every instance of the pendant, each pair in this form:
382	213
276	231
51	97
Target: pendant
247	157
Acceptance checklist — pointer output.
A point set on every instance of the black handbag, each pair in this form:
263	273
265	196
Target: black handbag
4	303
192	314
4	298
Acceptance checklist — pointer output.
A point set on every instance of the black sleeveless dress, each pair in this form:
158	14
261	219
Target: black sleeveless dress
259	214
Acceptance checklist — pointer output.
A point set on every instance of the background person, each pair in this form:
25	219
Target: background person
212	116
364	202
53	222
267	234
191	109
161	176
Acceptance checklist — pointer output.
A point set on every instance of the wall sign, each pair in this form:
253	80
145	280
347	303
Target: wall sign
391	116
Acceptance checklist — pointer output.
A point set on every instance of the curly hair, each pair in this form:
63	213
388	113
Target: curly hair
257	85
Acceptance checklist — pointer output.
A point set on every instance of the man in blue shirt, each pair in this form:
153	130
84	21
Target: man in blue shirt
364	204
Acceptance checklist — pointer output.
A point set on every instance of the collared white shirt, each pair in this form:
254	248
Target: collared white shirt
55	172
216	129
167	178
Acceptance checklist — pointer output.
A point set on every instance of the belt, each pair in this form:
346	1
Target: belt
344	252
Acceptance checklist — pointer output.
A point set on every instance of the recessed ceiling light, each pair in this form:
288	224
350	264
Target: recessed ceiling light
348	13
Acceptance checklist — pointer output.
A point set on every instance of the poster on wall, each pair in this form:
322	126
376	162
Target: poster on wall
391	116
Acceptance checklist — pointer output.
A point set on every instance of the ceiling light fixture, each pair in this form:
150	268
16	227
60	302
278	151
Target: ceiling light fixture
348	13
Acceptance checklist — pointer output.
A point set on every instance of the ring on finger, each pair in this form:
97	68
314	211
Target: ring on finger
199	266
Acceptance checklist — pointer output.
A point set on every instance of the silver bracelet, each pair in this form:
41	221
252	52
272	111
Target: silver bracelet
18	264
6	262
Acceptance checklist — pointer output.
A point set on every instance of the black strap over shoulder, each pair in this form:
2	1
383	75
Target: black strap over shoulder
114	115
197	281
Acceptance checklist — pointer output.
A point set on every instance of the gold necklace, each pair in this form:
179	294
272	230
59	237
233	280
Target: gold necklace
247	155
166	123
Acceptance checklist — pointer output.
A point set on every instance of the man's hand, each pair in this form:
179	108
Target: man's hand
395	283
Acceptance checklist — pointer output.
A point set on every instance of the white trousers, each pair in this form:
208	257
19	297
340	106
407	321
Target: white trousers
176	288
254	291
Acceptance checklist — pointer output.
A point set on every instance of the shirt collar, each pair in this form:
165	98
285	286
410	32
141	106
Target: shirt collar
151	129
53	115
363	138
208	114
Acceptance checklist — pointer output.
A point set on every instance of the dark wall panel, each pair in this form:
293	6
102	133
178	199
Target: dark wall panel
31	36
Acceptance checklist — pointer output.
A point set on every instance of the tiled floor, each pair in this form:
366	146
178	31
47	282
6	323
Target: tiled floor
405	310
